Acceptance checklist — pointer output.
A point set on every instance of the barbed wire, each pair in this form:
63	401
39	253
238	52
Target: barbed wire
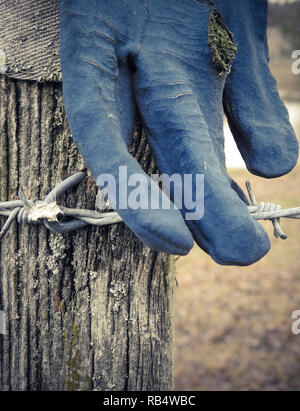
51	215
48	212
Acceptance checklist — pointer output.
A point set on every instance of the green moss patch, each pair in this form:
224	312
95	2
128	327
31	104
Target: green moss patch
221	43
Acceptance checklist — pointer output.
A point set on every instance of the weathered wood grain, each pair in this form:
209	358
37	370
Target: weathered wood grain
88	310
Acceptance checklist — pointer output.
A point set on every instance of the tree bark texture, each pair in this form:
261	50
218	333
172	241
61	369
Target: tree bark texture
87	310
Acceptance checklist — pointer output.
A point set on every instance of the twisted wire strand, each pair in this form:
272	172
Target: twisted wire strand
21	211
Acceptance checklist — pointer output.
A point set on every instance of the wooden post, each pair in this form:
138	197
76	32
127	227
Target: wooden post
87	310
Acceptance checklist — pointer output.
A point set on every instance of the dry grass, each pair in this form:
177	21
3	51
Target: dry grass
233	324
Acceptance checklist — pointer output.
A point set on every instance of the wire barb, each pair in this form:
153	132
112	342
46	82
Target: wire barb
47	211
266	211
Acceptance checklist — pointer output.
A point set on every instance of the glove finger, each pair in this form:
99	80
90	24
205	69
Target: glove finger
179	96
98	114
257	117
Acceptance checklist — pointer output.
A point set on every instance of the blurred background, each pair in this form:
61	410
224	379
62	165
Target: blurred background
233	324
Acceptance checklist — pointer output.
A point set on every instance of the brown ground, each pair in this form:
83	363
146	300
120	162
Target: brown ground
288	82
233	324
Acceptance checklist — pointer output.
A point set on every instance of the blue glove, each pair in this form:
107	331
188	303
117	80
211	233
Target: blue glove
257	117
158	55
